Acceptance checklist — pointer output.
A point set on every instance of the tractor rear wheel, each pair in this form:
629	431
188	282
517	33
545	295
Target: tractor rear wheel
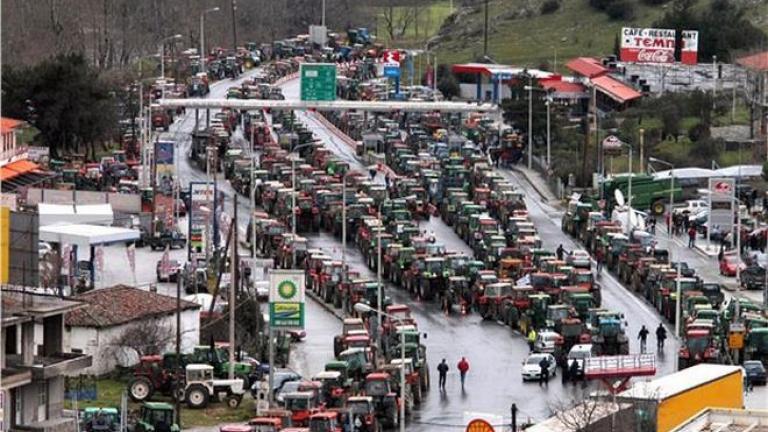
197	397
140	389
233	401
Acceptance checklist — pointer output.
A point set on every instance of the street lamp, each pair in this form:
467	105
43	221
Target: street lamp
293	193
548	102
671	190
364	308
202	36
162	59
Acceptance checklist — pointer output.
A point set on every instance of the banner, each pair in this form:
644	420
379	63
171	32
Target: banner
164	210
721	196
647	45
201	218
689	52
164	156
286	299
131	252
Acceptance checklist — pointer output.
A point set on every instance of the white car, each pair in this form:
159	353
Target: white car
546	341
532	368
579	258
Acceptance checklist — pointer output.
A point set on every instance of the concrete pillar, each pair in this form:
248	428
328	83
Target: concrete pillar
28	343
53	335
479	86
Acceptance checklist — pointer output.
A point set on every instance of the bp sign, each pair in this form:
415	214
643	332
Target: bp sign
286	299
318	81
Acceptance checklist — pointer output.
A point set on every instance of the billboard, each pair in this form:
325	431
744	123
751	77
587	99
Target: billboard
647	45
164	154
721	196
689	52
201	217
286	299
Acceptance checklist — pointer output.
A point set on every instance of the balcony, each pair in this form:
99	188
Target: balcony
15	377
61	424
45	367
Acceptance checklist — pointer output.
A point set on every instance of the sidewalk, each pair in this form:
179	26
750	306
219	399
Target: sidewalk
538	182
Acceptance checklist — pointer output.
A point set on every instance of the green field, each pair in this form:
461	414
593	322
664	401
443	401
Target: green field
430	17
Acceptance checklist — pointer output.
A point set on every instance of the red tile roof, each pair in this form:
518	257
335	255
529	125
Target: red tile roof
122	304
8	124
758	62
558	86
15	169
587	66
615	89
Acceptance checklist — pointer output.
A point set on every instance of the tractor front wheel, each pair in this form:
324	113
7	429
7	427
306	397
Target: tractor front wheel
140	389
233	401
197	397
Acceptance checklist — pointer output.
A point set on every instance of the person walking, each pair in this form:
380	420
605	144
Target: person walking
442	371
691	237
531	339
643	336
573	371
544	371
559	252
463	368
599	257
661	335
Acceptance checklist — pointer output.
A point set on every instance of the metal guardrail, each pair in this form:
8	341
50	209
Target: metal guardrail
375	106
620	366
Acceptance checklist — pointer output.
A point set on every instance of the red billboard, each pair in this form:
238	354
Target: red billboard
689	52
647	45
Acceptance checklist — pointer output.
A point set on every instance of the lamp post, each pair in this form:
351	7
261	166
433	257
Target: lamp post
202	36
293	193
548	102
549	134
364	308
671	189
162	59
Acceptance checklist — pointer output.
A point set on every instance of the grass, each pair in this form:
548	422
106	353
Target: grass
110	391
430	19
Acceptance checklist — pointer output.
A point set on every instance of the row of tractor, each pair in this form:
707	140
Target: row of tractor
710	324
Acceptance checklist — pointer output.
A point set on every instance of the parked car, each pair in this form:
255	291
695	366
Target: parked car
579	258
580	353
532	366
755	372
171	273
546	341
729	264
753	277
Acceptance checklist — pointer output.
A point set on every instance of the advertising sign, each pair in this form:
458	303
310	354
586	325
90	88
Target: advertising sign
318	81
647	45
164	153
392	70
38	154
689	52
201	217
721	195
164	210
286	299
612	145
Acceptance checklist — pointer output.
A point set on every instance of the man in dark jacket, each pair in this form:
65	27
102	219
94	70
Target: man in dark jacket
442	371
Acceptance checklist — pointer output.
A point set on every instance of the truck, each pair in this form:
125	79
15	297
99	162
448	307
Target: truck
648	193
672	399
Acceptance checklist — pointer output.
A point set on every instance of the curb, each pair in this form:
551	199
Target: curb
533	184
325	305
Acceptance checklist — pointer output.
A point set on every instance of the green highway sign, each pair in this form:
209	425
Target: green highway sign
318	81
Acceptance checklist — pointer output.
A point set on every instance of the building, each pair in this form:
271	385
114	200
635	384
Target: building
34	361
481	81
10	150
109	314
611	94
756	91
15	168
726	420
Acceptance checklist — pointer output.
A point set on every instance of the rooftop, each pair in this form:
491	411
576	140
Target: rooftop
587	66
615	89
9	124
757	62
563	421
122	304
726	420
678	382
23	303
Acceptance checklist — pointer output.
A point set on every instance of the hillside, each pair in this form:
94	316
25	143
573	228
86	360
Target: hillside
519	34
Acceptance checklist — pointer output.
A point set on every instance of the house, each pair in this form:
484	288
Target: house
9	148
756	91
34	361
16	170
111	317
489	82
610	93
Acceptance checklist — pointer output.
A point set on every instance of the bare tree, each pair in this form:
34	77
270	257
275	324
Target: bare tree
145	337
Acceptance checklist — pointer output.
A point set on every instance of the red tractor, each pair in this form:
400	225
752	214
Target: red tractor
699	347
157	374
385	401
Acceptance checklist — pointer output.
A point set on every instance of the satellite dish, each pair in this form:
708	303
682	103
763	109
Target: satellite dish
619	197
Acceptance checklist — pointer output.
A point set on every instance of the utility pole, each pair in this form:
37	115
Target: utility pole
234	26
178	347
232	289
485	32
530	123
642	150
514	417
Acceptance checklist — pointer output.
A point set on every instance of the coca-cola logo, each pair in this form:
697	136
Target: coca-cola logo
655	56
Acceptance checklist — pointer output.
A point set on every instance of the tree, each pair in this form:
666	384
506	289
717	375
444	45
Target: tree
65	99
447	83
145	337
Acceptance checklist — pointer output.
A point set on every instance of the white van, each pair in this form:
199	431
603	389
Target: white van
580	353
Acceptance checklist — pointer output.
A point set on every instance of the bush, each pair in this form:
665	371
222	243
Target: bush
699	131
550	6
621	10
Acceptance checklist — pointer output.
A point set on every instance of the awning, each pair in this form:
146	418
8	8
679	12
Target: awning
52	214
615	89
17	168
86	235
503	72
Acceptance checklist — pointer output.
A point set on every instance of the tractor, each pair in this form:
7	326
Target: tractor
349	325
201	388
495	303
608	336
700	346
156	417
431	280
156	374
385	401
97	419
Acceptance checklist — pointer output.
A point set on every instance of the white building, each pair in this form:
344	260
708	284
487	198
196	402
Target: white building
99	328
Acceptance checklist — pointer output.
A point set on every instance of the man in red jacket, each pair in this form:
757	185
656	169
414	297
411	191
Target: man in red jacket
463	367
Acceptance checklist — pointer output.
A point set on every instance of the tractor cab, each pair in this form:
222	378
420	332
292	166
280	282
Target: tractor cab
156	416
326	421
302	405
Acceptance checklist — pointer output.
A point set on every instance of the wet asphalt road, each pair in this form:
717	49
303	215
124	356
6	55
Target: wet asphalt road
493	350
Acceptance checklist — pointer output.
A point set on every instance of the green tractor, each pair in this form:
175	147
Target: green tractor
218	357
608	334
156	417
97	419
